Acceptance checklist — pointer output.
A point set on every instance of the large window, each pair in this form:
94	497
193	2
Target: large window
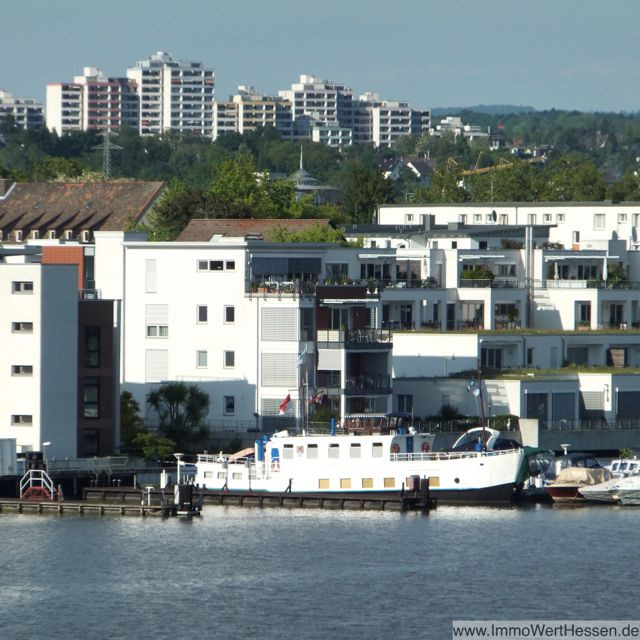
229	405
598	220
92	346
157	331
91	398
405	403
229	359
491	358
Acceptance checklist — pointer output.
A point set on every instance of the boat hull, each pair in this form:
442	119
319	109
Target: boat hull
567	493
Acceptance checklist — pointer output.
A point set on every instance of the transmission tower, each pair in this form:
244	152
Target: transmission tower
107	147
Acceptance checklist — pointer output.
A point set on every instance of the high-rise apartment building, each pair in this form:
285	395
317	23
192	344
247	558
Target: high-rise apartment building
26	113
174	95
91	101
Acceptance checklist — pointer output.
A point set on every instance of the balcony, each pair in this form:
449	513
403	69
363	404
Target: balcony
368	385
482	283
359	339
279	288
585	284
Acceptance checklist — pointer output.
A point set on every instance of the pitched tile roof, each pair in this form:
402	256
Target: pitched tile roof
82	206
202	230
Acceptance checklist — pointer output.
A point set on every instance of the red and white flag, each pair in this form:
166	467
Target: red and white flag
285	402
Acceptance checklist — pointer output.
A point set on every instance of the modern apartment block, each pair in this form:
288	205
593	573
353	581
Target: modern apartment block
25	113
174	95
91	101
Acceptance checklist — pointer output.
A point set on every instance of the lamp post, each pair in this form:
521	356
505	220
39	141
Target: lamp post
44	454
178	457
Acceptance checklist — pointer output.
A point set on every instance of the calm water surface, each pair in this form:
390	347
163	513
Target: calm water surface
274	573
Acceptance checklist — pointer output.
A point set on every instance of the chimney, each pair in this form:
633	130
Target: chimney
5	185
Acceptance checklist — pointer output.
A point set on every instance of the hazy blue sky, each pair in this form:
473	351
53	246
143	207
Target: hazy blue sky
577	54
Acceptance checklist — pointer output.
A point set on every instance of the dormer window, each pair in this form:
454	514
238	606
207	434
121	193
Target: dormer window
18	236
86	236
52	234
68	234
35	234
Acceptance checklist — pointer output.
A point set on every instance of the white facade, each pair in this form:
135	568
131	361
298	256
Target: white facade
174	95
91	101
575	225
39	359
26	113
332	135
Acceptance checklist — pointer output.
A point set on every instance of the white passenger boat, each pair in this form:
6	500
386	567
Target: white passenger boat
380	460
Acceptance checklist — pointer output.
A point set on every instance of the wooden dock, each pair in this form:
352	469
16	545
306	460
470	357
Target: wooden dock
82	507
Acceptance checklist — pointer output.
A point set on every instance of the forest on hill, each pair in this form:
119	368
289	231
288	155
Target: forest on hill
588	157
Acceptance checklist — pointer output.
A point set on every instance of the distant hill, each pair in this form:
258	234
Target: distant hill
490	109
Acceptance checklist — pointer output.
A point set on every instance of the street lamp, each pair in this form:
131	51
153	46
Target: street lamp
44	454
178	457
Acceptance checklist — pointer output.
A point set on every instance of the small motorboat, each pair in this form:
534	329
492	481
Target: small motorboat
566	487
629	490
607	491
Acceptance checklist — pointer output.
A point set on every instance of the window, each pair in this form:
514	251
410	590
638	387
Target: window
559	217
598	220
90	442
408	218
22	327
636	219
229	315
355	451
504	218
373	244
312	451
334	450
212	265
376	450
229	405
575	237
454	244
622	218
91	397
477	217
584	312
529	356
230	265
21	370
405	403
157	331
215	265
488	218
22	419
92	346
531	218
482	244
287	452
491	358
367	483
201	359
202	313
323	483
462	218
506	269
389	483
229	359
546	217
345	483
22	287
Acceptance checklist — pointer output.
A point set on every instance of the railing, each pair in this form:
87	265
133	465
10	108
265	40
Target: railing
395	325
109	463
552	283
613	325
90	294
449	455
620	424
496	283
473	325
368	383
369	336
36	483
280	287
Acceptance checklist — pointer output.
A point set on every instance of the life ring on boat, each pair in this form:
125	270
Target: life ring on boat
395	448
425	447
275	465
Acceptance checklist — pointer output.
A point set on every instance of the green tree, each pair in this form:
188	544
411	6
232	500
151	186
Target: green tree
131	424
446	186
317	233
153	447
181	409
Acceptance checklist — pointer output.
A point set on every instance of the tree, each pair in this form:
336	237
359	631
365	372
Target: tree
317	233
153	447
181	409
445	186
131	424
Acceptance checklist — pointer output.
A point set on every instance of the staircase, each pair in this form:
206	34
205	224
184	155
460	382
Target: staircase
36	485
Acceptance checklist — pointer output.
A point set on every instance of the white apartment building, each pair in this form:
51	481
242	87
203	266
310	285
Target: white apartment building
455	126
174	95
39	358
574	225
332	135
316	100
389	120
26	113
91	101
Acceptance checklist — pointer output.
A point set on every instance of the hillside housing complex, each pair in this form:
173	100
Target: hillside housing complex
400	321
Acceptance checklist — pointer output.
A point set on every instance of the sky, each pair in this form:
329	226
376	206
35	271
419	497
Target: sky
562	54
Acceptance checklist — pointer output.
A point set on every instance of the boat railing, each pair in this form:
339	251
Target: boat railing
447	455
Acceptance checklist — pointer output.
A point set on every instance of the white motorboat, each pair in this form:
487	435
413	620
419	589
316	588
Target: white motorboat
624	467
385	457
606	491
629	490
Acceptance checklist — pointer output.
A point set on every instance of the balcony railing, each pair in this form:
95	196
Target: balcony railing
368	385
551	283
280	287
487	283
365	337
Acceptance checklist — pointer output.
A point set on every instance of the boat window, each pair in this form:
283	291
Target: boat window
356	450
345	483
323	483
592	463
376	451
615	466
221	475
389	483
367	483
208	474
334	450
624	466
287	452
312	451
236	476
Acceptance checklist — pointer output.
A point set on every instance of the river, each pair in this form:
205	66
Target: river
307	574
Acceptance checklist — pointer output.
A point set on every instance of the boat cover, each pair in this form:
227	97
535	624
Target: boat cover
581	476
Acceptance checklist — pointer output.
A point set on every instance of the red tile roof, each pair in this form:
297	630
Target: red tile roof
202	230
82	206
